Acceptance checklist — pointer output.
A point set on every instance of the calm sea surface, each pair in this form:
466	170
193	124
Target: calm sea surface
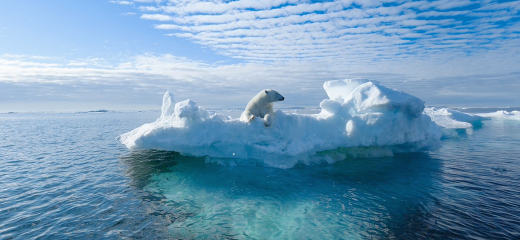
65	176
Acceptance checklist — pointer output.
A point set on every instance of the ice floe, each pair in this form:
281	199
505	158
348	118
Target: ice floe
361	117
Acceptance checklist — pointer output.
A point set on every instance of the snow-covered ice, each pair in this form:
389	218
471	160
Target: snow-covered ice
361	117
515	115
452	121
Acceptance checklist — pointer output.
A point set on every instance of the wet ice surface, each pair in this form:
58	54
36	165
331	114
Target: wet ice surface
66	176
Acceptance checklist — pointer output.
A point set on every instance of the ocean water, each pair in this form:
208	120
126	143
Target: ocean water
65	176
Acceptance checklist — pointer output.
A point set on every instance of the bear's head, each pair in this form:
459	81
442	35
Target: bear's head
273	95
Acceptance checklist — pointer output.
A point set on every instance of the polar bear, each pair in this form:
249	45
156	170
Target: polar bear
262	106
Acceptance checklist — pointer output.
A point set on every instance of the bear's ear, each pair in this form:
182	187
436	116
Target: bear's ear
265	91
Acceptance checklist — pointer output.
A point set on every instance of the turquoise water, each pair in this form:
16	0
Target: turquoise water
66	176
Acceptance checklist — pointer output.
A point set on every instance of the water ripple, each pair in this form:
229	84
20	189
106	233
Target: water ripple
65	176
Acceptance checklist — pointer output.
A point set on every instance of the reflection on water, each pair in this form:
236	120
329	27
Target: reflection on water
145	163
359	198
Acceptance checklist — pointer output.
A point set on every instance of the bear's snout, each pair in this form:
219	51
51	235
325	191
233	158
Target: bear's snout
281	99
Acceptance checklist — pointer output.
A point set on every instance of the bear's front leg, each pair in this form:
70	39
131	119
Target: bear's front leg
247	116
268	120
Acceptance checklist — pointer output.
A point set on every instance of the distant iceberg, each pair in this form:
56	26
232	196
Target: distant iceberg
453	122
361	117
514	115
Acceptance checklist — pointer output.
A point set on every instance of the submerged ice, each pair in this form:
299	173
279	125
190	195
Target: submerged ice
359	115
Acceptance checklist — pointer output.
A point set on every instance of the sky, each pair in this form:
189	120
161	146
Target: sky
62	55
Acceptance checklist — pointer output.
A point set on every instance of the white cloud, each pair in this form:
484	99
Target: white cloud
435	77
122	2
208	7
149	1
513	6
149	9
446	13
157	17
449	4
285	30
427	48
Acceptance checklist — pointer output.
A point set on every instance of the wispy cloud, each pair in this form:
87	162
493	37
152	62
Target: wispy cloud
445	52
143	79
340	31
157	17
123	2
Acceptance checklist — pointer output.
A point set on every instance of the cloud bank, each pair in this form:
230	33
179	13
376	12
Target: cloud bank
341	32
139	82
446	52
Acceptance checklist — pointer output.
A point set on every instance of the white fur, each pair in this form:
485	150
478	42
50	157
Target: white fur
262	106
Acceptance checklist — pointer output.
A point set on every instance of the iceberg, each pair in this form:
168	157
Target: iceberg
360	118
502	114
453	122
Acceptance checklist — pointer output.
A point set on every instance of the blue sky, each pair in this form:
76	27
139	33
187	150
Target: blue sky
61	55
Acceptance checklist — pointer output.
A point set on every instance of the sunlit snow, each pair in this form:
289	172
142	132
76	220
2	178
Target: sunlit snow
361	117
